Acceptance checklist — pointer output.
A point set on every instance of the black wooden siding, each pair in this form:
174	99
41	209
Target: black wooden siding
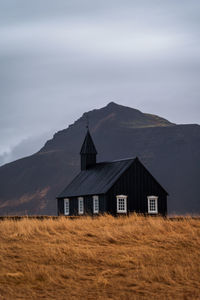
137	183
88	205
87	160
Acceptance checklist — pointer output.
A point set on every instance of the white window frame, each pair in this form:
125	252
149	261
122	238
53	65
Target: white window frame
155	198
66	212
95	210
80	212
123	197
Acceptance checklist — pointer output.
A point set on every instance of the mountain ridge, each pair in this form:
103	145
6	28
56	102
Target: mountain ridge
171	152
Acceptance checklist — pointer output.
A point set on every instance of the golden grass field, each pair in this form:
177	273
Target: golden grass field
102	258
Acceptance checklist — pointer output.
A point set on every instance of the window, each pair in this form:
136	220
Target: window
95	204
152	204
80	206
66	207
121	204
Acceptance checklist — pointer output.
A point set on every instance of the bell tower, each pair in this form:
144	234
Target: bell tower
88	152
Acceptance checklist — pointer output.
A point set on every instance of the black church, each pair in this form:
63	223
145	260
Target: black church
116	187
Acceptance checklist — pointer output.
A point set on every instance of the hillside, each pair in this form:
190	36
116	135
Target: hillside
103	258
171	152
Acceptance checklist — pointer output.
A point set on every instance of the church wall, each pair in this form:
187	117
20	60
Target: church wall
88	205
137	183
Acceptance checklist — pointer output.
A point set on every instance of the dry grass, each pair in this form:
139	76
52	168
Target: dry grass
102	258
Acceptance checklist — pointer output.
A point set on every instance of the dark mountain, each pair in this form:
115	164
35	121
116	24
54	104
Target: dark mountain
171	152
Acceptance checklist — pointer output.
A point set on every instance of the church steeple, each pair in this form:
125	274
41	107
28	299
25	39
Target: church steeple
88	152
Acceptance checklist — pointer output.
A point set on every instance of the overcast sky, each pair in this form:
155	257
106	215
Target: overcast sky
61	58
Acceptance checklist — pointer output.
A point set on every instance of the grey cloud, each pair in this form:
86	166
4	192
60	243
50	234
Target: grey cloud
61	58
25	148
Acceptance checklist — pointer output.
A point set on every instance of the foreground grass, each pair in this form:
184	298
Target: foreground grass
117	258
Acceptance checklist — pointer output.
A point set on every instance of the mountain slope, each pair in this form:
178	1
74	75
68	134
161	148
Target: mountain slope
171	152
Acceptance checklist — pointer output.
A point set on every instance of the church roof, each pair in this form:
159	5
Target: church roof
88	146
98	179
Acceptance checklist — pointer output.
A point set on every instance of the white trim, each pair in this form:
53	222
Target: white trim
80	207
123	198
66	207
155	198
95	204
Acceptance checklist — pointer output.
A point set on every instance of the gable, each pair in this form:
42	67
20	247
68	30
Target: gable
138	172
151	176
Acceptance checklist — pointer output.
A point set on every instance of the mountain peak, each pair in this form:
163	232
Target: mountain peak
125	116
112	104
